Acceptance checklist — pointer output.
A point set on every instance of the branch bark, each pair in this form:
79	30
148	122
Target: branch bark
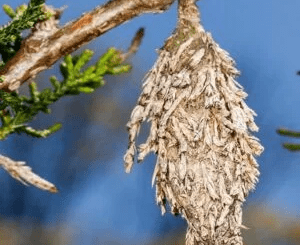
48	43
23	173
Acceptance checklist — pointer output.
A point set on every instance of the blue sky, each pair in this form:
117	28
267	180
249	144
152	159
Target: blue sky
262	36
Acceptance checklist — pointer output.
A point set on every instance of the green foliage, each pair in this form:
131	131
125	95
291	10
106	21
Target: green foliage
2	78
16	110
23	18
292	147
290	133
286	132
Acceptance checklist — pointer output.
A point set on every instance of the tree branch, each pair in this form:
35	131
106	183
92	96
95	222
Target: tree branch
23	173
48	42
75	81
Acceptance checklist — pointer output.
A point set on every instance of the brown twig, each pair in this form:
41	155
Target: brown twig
48	42
136	42
24	174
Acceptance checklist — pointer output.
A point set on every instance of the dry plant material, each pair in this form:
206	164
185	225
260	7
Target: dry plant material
24	174
199	130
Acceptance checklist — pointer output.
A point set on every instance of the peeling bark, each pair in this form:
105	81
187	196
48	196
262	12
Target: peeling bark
48	42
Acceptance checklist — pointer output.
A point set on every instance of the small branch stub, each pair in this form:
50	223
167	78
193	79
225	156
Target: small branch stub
23	173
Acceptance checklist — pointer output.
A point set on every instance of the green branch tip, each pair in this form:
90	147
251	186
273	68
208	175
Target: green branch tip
292	147
21	9
9	11
287	132
2	78
16	111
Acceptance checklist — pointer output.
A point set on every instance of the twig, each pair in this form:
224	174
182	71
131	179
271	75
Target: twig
23	173
48	42
136	42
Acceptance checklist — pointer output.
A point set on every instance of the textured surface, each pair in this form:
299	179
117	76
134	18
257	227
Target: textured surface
205	154
48	43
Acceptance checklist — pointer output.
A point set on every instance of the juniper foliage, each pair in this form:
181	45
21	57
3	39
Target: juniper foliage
23	18
290	133
18	110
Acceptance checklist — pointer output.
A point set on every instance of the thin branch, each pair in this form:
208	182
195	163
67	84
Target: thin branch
23	173
287	132
19	170
48	43
136	42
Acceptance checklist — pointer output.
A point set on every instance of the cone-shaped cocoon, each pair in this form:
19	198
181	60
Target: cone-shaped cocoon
199	130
